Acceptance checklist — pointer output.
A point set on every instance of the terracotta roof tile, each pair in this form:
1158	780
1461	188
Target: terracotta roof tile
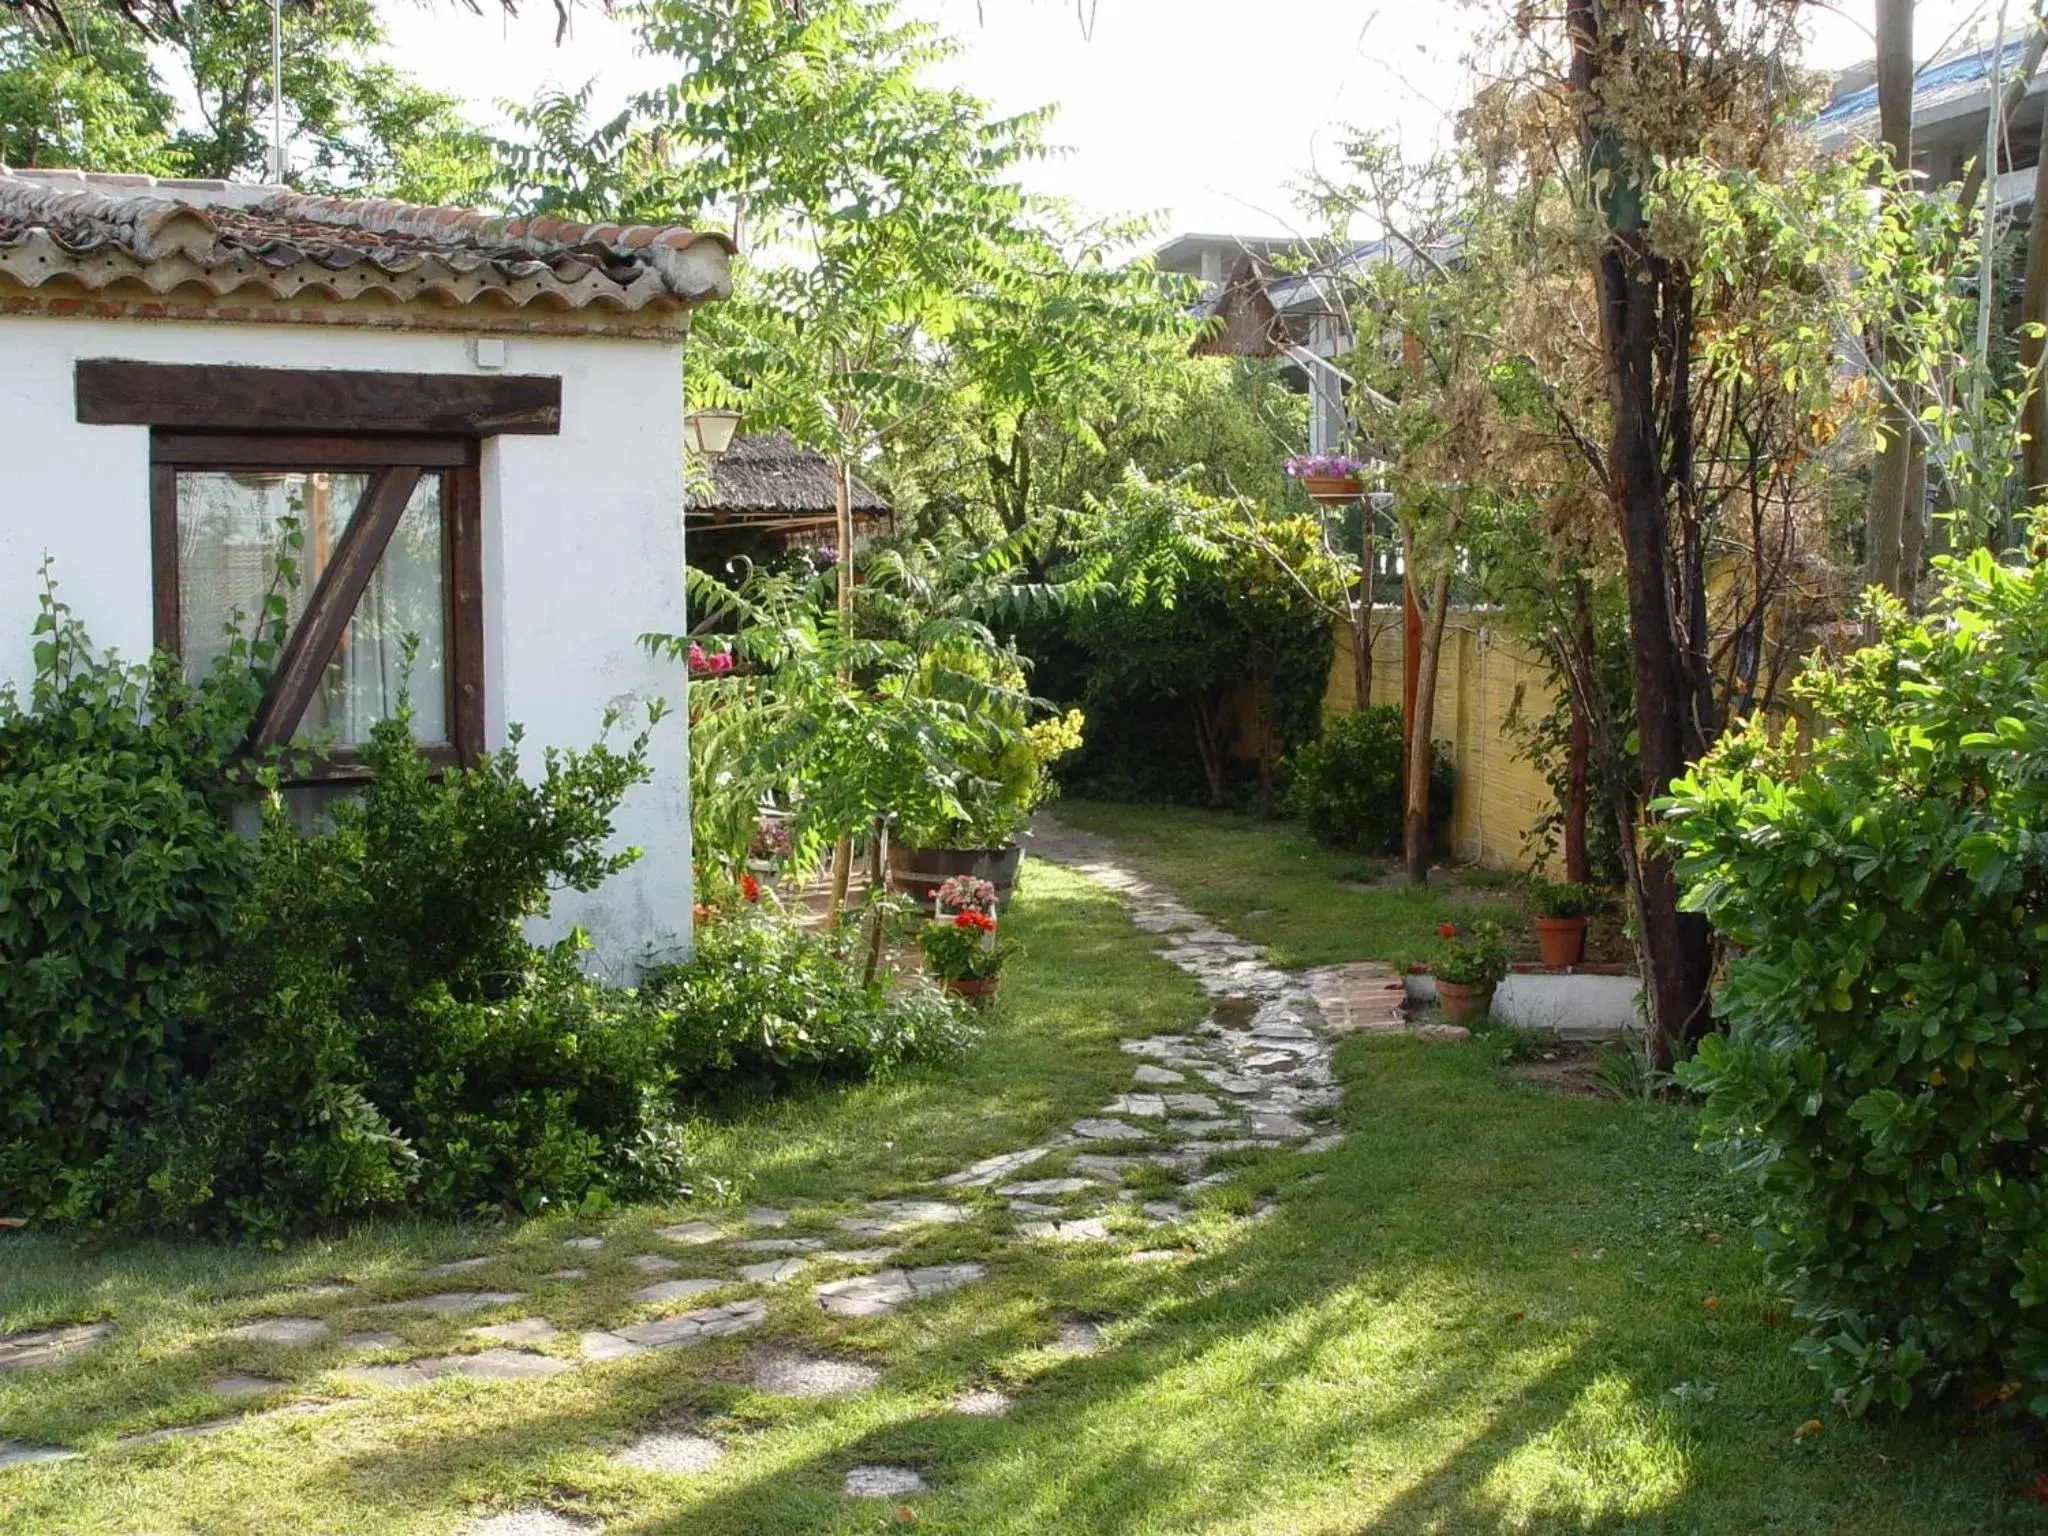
97	230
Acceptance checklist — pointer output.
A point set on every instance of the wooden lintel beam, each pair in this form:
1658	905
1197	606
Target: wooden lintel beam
214	398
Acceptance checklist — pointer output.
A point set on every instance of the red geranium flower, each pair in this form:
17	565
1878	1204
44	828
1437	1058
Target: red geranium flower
1447	930
977	920
749	886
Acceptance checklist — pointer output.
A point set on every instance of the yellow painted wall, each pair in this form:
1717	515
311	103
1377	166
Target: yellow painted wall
1499	796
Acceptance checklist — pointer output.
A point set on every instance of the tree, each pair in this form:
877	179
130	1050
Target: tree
357	125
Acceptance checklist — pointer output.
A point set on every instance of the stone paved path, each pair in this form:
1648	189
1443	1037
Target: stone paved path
1254	1075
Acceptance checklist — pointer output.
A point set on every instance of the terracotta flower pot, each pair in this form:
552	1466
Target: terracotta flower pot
1463	1003
1337	488
978	990
1562	941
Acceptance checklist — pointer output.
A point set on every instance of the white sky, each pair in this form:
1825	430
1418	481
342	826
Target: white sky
1199	111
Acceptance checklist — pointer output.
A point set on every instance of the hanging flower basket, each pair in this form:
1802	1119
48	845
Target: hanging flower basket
1329	477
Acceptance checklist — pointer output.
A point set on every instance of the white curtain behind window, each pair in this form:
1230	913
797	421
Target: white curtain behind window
230	539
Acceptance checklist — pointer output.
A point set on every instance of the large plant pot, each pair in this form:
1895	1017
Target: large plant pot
1333	488
1463	1003
1562	941
918	872
978	990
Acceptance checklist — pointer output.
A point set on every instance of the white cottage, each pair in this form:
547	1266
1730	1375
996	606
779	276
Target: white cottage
477	422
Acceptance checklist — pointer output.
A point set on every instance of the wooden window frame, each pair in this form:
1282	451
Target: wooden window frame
395	466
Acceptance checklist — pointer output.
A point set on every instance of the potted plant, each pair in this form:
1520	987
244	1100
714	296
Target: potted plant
1467	970
1004	784
1329	477
1561	912
965	954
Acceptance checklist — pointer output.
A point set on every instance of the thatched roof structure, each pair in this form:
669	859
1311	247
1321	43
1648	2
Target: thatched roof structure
768	482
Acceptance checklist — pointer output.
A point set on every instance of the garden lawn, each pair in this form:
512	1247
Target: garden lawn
1269	882
1487	1308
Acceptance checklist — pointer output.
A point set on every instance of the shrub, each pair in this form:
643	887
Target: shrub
763	1004
1887	1049
1346	784
118	875
964	947
380	1033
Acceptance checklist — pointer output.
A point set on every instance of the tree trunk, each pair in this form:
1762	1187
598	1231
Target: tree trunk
842	853
1415	831
1578	751
2033	348
1631	285
1361	613
1207	747
1891	485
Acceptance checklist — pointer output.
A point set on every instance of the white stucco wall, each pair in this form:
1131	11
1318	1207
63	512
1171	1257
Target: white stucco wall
583	550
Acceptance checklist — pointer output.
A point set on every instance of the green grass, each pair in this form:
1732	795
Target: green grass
1269	882
1489	1309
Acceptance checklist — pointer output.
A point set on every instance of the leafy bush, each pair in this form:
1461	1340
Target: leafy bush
762	1004
118	876
381	1033
1346	784
1884	1067
964	947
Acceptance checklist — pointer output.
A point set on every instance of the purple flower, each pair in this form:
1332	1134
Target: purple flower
825	556
1326	466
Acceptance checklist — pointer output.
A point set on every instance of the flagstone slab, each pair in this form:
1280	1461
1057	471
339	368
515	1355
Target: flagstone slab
373	1338
456	1266
653	1264
597	1345
774	1271
985	1404
1141	1106
887	1217
584	1244
1091	1229
491	1365
672	1451
691	1233
16	1453
242	1384
294	1331
765	1216
779	1244
42	1347
677	1290
694	1327
1037	1188
1149	1076
989	1169
202	1430
565	1274
1077	1336
447	1303
1192	1104
1033	1208
521	1330
882	1482
1108	1130
857	1255
794	1375
530	1522
878	1295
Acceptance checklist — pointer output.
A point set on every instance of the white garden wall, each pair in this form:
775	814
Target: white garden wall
583	549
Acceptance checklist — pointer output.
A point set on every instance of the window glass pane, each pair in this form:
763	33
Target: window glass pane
230	535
